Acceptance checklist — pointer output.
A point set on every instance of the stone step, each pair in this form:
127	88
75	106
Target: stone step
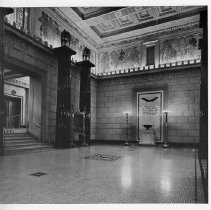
21	144
26	149
25	141
15	130
13	138
16	134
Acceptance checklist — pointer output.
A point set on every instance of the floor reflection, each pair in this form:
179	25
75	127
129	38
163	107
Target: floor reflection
143	175
126	178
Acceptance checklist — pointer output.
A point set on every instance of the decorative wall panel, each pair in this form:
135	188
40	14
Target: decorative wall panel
150	109
179	49
169	49
120	59
49	30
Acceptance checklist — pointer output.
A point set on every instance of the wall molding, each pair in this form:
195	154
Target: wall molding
158	144
150	43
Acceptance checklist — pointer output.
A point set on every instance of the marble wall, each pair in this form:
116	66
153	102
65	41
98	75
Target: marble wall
181	98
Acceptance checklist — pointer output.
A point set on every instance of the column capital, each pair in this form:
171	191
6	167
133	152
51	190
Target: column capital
64	50
85	64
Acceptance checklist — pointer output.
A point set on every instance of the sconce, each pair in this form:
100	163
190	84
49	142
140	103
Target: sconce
127	133
86	54
65	38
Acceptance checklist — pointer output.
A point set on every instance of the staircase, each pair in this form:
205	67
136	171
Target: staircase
18	141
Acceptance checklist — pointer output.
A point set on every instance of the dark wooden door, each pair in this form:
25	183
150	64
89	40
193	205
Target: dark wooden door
12	111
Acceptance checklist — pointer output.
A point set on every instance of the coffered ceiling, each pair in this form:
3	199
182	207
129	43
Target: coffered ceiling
108	24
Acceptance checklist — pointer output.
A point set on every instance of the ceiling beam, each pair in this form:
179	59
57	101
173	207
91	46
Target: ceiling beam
96	13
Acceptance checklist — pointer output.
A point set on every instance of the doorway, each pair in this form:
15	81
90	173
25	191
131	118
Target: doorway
13	111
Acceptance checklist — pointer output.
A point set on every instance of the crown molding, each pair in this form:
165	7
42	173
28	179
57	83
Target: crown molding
138	38
150	43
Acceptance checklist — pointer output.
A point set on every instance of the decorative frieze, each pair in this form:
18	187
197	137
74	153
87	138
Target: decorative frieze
150	68
17	82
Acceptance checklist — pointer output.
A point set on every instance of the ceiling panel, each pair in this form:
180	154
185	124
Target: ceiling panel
104	24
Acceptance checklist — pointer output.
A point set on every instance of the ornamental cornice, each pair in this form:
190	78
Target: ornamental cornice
138	38
149	69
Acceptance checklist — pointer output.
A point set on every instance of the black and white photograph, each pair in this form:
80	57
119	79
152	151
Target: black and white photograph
104	104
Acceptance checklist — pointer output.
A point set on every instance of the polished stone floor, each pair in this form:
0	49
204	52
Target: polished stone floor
140	175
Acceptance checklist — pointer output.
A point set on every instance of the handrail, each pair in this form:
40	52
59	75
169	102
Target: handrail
45	139
34	123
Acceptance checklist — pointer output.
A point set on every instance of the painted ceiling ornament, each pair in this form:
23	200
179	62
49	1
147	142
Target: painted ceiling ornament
168	52
134	56
105	62
49	29
121	55
192	41
13	92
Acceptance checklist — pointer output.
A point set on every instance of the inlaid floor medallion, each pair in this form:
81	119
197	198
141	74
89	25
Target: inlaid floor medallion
103	157
38	174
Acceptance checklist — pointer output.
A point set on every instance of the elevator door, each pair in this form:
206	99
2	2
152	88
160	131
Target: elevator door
13	111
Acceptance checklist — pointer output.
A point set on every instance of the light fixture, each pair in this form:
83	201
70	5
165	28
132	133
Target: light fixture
65	38
72	115
84	129
86	54
126	114
165	113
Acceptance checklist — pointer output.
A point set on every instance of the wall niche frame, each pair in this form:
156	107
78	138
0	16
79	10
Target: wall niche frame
135	91
154	43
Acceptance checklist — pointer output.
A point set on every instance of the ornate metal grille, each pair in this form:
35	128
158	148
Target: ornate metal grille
23	18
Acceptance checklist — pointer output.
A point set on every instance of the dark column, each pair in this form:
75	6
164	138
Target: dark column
203	145
85	94
63	112
204	88
3	12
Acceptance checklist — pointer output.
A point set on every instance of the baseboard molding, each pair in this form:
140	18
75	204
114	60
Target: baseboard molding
111	142
189	145
120	142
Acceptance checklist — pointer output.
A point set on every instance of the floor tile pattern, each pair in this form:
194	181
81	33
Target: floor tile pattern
145	175
103	157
